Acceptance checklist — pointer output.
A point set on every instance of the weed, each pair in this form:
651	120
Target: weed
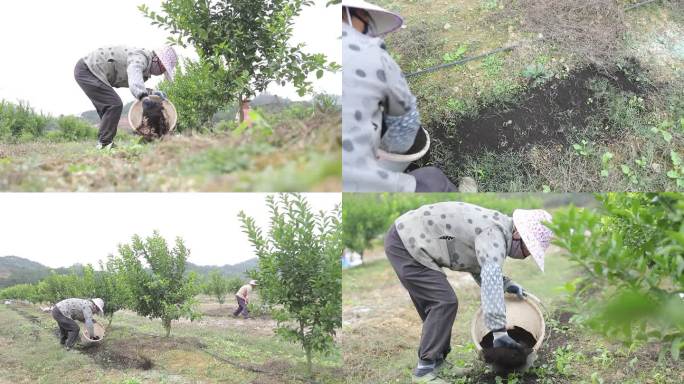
564	357
582	148
492	65
130	381
455	55
489	5
629	173
537	74
677	171
603	357
596	378
663	129
606	163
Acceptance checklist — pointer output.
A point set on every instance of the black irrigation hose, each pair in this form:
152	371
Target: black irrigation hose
637	5
462	61
498	50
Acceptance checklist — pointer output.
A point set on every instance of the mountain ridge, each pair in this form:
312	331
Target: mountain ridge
18	270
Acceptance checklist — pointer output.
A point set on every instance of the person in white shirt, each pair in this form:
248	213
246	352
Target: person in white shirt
243	294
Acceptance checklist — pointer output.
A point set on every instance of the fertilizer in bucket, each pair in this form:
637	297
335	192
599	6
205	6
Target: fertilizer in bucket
524	324
506	358
154	124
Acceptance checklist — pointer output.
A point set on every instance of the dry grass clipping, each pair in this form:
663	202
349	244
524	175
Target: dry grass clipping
591	30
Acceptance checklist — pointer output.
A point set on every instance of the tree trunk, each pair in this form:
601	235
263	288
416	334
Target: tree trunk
307	349
167	326
309	364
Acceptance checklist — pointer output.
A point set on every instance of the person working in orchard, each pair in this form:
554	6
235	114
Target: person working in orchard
461	237
106	68
379	111
242	297
66	311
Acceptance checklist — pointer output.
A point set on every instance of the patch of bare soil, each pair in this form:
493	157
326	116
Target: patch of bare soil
137	352
551	114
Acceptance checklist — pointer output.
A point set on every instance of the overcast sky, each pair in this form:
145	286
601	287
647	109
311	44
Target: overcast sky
43	39
59	230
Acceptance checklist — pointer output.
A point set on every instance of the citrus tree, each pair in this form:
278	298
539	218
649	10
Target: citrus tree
217	286
243	46
20	292
299	274
111	286
632	252
162	290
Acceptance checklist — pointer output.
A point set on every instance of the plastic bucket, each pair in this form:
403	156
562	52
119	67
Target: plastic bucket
86	339
136	111
521	314
397	162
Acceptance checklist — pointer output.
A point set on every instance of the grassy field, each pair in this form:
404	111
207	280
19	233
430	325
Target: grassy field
548	115
381	331
218	348
301	155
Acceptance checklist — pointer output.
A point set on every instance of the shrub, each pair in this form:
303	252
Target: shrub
20	122
72	128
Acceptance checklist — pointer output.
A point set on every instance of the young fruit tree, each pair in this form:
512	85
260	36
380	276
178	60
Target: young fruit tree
217	286
243	46
299	273
111	286
159	288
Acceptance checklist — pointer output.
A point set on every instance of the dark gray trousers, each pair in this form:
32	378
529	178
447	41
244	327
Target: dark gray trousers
432	179
242	308
107	103
431	294
68	329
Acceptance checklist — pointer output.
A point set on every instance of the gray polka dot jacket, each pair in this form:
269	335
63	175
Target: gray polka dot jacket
121	66
373	90
78	309
463	237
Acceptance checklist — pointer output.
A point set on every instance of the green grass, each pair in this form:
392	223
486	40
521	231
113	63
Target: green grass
31	352
299	155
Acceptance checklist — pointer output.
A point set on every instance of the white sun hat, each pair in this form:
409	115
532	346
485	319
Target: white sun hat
169	59
384	21
253	282
99	303
535	235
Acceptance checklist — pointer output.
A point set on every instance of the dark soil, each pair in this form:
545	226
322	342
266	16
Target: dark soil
135	352
550	114
113	356
553	340
154	124
506	358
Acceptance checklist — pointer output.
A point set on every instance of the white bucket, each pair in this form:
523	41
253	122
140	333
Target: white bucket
86	339
135	114
398	163
522	313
